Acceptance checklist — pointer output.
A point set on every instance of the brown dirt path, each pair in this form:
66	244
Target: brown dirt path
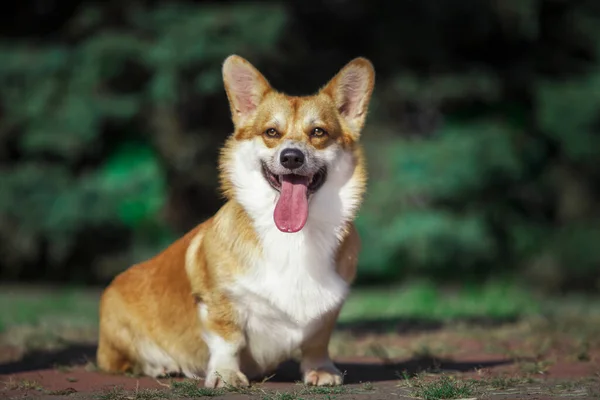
559	380
532	359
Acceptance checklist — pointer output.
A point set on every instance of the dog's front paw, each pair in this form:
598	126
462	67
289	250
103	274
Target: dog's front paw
325	376
226	378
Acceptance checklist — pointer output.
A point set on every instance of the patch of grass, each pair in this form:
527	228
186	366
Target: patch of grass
568	386
328	390
368	386
593	392
249	390
150	394
423	350
281	396
115	393
534	367
404	377
443	388
118	393
31	306
306	390
189	388
186	389
503	382
22	384
494	300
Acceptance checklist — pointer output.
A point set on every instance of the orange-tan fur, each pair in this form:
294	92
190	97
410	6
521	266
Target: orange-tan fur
163	315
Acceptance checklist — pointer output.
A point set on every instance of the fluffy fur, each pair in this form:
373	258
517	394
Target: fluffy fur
236	296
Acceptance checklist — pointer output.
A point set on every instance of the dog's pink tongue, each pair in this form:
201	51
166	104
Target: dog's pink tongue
291	211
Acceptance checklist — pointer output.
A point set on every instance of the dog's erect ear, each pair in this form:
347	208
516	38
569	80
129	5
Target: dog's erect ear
351	91
245	88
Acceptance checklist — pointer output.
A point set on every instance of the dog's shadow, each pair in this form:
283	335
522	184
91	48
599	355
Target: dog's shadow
72	355
378	372
287	372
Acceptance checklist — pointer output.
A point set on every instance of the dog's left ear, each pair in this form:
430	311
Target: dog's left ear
245	87
351	91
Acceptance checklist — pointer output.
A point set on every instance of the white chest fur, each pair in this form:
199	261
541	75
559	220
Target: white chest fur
286	292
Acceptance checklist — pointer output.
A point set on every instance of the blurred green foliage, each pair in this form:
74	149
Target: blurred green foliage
482	142
82	120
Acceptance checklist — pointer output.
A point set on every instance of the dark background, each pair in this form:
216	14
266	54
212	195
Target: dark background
483	138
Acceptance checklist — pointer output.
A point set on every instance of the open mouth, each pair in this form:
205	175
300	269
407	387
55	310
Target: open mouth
314	182
291	211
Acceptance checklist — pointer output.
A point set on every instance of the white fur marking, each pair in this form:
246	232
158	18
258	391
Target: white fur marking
294	283
191	254
223	354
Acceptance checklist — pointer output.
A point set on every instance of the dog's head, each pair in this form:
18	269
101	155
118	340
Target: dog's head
291	153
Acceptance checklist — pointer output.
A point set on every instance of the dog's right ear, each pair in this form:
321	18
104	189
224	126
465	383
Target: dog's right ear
245	88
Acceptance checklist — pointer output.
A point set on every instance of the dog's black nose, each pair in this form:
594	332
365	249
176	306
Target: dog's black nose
291	158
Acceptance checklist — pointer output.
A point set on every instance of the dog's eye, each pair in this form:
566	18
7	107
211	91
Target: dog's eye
318	132
272	132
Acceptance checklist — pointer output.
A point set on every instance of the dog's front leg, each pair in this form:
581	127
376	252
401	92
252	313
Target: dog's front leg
225	341
316	365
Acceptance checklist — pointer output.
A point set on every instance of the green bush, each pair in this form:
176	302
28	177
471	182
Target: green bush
92	129
482	140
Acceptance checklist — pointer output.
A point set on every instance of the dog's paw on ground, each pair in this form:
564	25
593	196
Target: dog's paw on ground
323	377
226	378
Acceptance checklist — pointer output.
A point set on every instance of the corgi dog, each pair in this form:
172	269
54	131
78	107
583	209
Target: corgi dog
264	279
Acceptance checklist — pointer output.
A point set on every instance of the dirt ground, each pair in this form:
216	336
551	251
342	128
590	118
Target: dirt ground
516	360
